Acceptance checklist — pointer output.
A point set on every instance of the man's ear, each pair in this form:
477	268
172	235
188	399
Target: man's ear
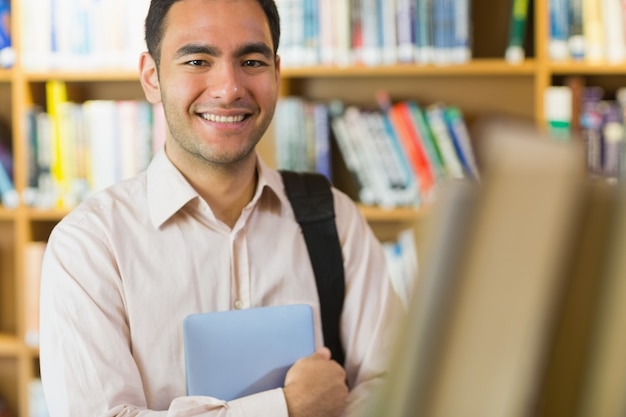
149	78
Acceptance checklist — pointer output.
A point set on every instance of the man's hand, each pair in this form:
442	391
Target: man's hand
315	386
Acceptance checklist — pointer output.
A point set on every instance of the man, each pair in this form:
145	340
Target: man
206	228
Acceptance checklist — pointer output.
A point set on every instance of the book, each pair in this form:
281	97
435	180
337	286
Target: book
515	49
436	120
232	354
591	128
423	31
406	18
462	33
7	52
558	48
8	195
593	30
576	38
614	35
462	141
443	31
33	257
605	371
576	313
558	111
389	32
374	164
480	322
400	116
348	148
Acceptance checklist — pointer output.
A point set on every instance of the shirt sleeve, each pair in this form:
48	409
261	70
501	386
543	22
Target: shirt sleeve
372	309
87	363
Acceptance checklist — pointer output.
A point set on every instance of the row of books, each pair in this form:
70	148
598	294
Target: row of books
589	30
81	34
77	149
374	32
590	114
397	154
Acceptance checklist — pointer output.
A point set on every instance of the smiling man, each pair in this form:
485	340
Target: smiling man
207	227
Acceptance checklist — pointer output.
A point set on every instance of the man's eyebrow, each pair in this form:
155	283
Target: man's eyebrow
255	48
194	49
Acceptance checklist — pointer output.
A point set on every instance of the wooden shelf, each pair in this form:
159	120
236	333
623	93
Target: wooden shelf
34	214
7	214
82	76
477	67
586	68
10	346
402	214
6	75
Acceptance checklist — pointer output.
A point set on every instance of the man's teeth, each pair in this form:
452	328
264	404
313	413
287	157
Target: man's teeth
223	119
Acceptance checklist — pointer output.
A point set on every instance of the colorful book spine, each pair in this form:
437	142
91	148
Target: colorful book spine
558	111
576	38
436	120
462	141
515	51
7	53
461	47
423	31
8	194
400	116
558	48
593	30
591	128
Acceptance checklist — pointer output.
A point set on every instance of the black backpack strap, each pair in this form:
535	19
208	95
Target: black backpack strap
312	201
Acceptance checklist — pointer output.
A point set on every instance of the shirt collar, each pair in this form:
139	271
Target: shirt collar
168	191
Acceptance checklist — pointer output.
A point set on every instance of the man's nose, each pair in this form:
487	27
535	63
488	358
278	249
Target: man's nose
226	83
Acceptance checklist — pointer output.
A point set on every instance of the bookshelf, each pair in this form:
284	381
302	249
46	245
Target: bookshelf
485	85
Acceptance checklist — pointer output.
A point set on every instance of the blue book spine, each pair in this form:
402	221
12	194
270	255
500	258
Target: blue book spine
559	30
8	194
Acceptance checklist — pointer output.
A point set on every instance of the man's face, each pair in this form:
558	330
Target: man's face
218	79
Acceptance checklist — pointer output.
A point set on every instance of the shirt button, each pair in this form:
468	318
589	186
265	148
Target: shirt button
238	304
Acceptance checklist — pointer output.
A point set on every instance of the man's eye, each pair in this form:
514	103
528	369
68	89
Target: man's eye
253	63
196	63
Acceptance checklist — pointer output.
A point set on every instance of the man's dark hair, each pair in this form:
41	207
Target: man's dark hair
157	13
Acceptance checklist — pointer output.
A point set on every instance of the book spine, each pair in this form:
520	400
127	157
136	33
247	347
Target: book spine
558	111
462	141
389	33
423	31
462	48
443	21
327	33
323	155
558	48
406	36
591	125
576	40
373	162
399	114
615	48
8	194
56	94
434	115
613	135
593	30
515	51
421	126
350	155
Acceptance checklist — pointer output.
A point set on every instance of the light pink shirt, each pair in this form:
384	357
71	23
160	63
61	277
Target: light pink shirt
123	269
